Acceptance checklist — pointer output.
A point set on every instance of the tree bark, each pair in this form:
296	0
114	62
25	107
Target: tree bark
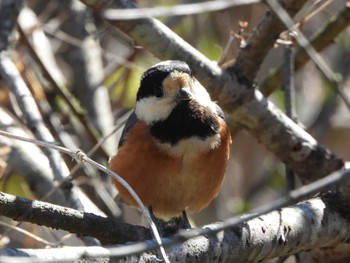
317	222
235	91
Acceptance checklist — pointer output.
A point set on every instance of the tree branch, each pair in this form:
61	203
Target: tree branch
287	230
80	223
34	120
29	161
237	95
320	40
65	95
301	193
262	39
31	113
9	11
317	222
85	61
80	156
176	10
322	66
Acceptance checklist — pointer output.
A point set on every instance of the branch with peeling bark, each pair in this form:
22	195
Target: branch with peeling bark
269	232
278	233
236	93
89	224
74	221
309	224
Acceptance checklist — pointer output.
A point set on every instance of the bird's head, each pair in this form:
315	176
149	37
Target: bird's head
165	85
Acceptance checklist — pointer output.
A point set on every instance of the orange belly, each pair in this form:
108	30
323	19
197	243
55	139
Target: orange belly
169	184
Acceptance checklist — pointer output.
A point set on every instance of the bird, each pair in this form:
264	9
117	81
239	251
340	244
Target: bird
174	148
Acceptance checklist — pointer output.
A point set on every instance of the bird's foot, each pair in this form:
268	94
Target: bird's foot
170	227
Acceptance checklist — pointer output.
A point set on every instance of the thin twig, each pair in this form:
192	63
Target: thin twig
79	165
305	44
288	83
30	112
260	41
294	196
320	40
31	235
315	12
224	55
234	90
80	156
289	89
65	95
176	10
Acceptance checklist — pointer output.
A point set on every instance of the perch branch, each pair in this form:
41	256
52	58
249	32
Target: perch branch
237	95
253	237
80	156
92	225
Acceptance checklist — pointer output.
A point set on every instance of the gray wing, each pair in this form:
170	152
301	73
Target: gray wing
130	123
220	112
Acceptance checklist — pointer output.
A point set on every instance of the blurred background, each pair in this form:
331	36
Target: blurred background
84	75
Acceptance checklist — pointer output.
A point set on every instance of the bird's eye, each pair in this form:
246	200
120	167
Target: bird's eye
159	92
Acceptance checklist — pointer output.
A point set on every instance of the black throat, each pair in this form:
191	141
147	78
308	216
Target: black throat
188	119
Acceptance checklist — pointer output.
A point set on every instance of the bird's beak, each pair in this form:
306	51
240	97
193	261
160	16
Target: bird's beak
183	94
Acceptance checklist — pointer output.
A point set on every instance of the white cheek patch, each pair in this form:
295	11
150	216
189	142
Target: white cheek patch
153	109
202	96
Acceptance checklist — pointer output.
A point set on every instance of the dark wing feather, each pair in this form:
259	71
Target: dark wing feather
130	123
220	112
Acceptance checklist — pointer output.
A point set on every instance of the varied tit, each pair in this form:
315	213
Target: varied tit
174	147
